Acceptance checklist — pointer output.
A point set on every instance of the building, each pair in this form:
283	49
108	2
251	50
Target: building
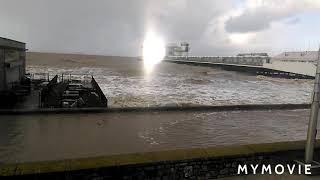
12	63
181	49
299	62
299	56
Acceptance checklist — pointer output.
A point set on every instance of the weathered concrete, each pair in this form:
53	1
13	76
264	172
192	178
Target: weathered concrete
253	65
200	163
150	109
238	60
12	63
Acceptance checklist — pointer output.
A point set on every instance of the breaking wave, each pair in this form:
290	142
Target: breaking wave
179	89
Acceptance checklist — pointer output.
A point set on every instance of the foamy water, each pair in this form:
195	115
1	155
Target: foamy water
173	88
62	136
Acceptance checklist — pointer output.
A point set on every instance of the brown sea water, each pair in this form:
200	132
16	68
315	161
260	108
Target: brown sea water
64	136
125	83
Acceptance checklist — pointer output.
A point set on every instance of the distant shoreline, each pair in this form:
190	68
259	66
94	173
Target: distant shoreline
76	60
79	54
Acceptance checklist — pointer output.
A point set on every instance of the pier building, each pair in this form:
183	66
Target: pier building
299	62
181	49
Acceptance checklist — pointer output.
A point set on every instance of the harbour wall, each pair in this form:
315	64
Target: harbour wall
198	163
239	60
258	65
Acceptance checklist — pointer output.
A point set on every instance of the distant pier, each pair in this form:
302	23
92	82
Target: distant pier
258	65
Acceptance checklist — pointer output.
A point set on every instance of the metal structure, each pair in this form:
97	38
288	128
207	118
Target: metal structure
18	89
312	128
67	92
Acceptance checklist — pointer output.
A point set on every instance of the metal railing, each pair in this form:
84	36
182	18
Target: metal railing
46	77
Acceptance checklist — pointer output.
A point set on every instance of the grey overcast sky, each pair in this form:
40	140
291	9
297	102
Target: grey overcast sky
118	27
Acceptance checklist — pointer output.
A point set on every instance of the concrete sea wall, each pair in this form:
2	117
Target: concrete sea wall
259	65
217	108
239	60
199	163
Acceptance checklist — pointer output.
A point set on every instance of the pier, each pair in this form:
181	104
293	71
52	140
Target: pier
61	140
258	65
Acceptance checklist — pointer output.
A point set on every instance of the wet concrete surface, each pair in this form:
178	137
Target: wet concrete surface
64	136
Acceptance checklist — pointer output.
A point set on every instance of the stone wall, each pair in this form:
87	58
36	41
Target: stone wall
201	163
203	168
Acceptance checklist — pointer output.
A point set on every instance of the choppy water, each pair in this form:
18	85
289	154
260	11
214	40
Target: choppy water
184	86
63	136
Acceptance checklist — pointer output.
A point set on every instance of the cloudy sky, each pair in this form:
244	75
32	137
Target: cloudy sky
118	27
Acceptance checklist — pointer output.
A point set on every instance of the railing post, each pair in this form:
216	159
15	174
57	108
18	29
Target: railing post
312	128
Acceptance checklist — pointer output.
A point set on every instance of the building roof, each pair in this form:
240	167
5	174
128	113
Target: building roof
13	44
7	39
297	56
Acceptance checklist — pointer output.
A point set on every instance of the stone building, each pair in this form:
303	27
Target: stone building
12	63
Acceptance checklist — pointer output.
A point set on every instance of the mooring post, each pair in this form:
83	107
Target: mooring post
312	128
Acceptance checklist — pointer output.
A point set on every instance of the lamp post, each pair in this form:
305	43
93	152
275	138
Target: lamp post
312	127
